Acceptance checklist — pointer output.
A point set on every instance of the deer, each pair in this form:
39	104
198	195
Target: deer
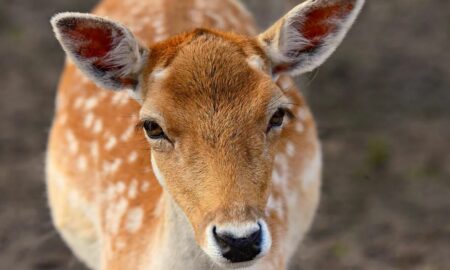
180	140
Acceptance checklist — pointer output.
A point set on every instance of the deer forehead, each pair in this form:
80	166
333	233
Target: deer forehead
209	75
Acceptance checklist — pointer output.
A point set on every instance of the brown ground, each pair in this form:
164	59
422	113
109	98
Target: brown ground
383	107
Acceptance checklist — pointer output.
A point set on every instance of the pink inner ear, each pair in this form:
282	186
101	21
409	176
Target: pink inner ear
321	22
93	40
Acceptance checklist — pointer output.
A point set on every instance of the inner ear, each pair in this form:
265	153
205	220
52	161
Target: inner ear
308	34
90	39
104	50
319	23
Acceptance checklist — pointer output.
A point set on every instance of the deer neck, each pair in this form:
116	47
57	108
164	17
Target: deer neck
176	247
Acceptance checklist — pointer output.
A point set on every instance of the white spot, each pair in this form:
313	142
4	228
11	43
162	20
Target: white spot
160	30
78	102
132	157
90	103
145	186
280	175
98	126
277	179
302	113
112	141
88	120
82	163
280	159
111	192
159	74
311	173
299	127
132	190
63	119
275	205
158	23
120	98
120	187
256	62
72	141
127	134
111	167
290	149
134	218
94	150
78	201
114	215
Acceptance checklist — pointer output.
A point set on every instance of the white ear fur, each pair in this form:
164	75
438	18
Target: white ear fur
291	52
106	51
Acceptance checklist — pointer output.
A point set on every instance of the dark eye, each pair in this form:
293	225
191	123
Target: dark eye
277	119
153	130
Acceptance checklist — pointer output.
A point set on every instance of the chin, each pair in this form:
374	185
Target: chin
240	265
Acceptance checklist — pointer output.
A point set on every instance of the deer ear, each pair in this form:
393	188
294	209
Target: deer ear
305	37
106	51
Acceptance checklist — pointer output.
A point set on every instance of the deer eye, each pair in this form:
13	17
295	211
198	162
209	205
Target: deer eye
277	119
153	130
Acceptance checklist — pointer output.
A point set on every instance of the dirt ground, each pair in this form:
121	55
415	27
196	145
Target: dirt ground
383	107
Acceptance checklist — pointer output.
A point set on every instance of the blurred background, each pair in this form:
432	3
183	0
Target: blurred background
382	103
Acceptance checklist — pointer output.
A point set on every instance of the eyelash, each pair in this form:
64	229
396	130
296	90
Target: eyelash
147	124
283	113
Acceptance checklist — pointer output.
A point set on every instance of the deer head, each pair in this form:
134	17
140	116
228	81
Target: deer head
211	110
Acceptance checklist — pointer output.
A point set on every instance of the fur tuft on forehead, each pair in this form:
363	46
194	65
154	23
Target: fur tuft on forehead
212	66
163	53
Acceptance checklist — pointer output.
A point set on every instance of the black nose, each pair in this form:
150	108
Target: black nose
239	249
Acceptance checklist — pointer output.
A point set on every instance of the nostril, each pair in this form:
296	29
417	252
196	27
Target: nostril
223	243
239	249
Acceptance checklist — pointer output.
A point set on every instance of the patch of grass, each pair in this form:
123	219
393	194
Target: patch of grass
431	169
376	158
14	34
378	154
339	250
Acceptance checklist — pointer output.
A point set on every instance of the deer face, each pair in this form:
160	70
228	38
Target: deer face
213	117
211	110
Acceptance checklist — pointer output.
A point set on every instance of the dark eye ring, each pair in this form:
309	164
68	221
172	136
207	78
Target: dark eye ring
153	130
277	119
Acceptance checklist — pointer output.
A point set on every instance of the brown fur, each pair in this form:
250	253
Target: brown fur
219	164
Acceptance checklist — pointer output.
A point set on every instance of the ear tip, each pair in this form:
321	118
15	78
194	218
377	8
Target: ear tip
67	19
